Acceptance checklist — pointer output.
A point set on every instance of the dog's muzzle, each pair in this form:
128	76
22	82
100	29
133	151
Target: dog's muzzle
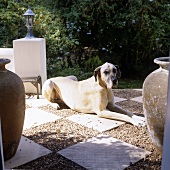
114	80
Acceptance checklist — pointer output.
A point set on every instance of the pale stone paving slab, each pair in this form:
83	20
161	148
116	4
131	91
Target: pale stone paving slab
94	122
138	99
138	89
104	152
27	151
118	99
35	117
36	102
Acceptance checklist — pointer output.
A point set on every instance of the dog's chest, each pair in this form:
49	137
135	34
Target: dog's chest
91	100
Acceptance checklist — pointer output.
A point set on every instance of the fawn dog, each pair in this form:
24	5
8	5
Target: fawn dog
93	95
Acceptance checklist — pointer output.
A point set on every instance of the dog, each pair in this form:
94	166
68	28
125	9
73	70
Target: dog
93	95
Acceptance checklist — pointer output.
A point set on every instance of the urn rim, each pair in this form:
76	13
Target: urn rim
162	61
4	61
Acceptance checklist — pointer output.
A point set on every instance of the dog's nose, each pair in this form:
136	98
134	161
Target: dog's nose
114	80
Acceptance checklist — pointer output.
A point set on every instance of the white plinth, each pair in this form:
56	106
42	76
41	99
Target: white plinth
30	60
8	53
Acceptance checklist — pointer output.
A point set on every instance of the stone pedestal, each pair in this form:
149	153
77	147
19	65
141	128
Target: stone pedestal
30	60
8	54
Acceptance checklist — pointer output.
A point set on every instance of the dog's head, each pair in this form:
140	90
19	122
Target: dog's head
107	75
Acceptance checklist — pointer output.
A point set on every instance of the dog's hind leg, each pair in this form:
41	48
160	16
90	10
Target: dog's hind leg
49	93
48	90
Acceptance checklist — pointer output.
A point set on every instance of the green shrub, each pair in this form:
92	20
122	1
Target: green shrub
128	33
92	63
76	71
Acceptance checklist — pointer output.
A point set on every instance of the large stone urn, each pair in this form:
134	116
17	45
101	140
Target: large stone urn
154	101
12	109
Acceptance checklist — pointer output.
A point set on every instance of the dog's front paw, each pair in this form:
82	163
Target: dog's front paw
138	121
55	105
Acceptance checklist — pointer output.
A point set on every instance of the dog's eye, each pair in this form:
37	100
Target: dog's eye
106	72
114	70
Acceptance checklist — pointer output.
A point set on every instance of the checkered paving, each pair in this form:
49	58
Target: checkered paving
111	153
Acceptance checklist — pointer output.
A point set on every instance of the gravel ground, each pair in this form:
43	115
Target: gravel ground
63	133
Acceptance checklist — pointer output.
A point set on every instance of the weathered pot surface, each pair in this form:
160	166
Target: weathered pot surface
12	109
154	101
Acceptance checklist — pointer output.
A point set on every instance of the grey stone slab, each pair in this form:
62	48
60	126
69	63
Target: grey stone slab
138	89
27	151
35	117
118	99
33	102
104	152
94	122
137	99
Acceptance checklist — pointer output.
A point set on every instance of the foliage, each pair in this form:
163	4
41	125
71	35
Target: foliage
130	84
47	25
50	26
76	71
84	34
92	63
58	69
10	22
129	33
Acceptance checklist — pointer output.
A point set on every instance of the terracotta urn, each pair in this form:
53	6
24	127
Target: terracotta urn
12	109
155	89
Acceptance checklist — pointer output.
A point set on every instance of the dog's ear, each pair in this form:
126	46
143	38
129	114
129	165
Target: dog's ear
118	71
97	72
